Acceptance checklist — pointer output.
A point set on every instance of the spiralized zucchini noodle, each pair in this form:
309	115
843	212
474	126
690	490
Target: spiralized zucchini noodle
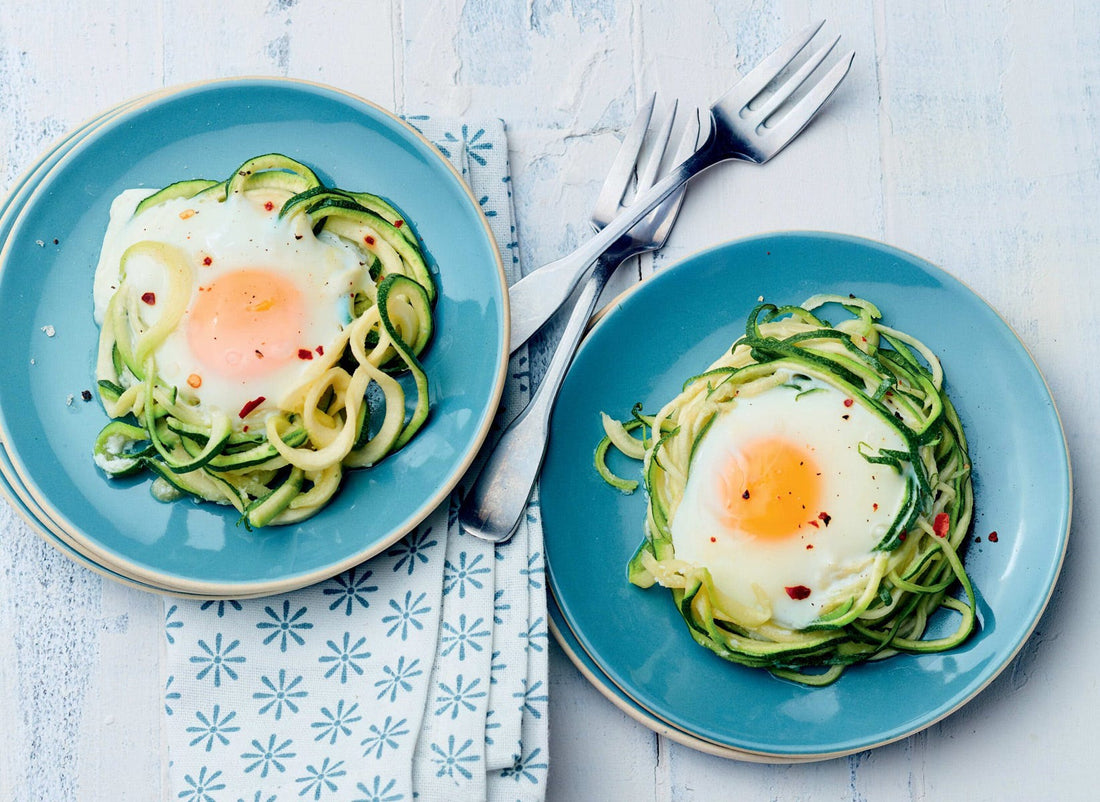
918	563
348	408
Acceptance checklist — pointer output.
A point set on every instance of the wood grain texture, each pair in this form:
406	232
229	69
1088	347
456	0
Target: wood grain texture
966	133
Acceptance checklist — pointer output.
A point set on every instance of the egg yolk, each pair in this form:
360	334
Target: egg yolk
768	488
246	323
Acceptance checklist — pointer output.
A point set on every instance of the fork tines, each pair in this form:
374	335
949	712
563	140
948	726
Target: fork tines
779	74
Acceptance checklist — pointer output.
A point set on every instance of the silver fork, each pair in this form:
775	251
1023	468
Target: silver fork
494	504
738	130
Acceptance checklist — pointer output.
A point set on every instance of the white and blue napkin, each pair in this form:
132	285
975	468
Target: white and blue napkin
420	674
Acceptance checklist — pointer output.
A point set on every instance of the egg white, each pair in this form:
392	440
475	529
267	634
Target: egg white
860	501
238	233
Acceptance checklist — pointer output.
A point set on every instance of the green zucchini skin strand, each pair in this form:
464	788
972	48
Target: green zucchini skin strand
181	189
303	177
897	379
418	296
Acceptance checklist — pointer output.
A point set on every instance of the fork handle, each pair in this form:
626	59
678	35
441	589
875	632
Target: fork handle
497	500
534	298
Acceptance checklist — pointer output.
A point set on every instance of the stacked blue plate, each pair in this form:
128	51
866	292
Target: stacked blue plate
51	229
634	644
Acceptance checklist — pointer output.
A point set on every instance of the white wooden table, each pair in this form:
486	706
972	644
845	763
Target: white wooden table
967	133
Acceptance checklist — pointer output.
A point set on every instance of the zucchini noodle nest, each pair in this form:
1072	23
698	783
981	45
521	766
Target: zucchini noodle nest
278	463
911	572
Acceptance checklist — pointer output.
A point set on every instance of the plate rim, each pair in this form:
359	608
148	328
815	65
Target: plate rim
10	205
126	112
615	695
1065	511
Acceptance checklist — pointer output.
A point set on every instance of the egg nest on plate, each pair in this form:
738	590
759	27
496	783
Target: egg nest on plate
251	334
809	495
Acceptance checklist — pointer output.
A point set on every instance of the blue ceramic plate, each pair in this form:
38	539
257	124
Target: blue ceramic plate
672	327
202	131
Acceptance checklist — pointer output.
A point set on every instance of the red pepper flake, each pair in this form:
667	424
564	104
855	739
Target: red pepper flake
149	298
798	592
815	524
259	354
809	546
942	524
714	540
244	428
206	260
320	350
992	537
368	239
251	405
398	223
305	353
825	517
269	206
848	402
745	495
875	506
901	536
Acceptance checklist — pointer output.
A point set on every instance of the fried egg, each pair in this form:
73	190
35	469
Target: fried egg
267	296
782	507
